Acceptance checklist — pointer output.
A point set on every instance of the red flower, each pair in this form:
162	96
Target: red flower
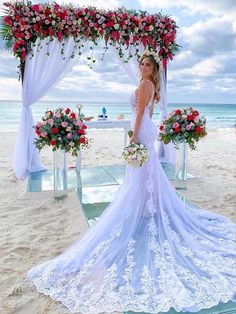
23	55
8	20
178	112
196	113
52	142
144	41
198	129
67	111
191	117
80	131
84	126
59	35
38	132
35	7
177	130
55	130
73	115
161	128
82	140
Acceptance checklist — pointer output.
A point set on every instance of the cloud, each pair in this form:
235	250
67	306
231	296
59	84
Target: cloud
203	7
210	37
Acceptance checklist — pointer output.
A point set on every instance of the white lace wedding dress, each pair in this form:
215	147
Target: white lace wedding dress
148	252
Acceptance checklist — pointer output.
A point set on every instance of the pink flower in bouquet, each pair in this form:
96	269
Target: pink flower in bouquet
175	125
58	114
72	144
69	135
64	124
39	124
188	127
68	129
50	121
196	119
43	134
78	123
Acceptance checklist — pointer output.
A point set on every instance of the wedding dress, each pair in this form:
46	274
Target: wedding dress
148	252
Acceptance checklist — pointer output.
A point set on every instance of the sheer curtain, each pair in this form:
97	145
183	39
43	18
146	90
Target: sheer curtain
166	153
43	69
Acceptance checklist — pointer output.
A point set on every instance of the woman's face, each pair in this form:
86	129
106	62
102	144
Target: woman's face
146	68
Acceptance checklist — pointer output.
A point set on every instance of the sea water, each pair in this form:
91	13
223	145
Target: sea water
217	115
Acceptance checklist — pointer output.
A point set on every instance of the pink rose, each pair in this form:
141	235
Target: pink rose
64	124
71	144
68	129
50	121
196	119
175	125
78	123
188	127
58	114
69	135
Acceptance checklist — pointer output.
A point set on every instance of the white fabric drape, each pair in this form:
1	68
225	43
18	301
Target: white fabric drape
41	72
166	153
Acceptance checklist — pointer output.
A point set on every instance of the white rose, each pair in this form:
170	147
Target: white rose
116	26
151	28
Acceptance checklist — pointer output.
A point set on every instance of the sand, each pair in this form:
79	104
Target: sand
34	227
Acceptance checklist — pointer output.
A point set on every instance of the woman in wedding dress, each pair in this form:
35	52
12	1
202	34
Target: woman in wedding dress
149	251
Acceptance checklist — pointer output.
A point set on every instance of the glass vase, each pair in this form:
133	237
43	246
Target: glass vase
181	166
60	174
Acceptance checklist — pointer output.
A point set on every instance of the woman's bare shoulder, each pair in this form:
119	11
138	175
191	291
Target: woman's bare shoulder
145	87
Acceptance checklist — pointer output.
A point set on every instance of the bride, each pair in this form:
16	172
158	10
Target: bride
150	250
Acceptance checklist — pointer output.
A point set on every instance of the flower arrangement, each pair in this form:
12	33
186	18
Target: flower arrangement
61	129
183	125
135	154
23	23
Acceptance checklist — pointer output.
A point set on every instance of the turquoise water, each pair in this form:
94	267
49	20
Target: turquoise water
218	115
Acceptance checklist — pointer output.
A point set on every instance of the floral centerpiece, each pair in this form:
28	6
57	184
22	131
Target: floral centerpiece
135	154
61	129
183	125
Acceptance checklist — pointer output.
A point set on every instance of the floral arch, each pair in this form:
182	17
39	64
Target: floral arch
34	31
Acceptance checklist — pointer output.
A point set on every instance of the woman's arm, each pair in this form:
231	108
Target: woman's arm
144	93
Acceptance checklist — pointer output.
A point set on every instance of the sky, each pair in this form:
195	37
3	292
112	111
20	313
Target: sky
203	72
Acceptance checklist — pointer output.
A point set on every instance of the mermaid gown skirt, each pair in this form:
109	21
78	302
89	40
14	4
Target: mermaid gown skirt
148	252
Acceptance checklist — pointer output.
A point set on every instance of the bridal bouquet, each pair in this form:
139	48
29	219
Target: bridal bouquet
135	154
61	129
183	125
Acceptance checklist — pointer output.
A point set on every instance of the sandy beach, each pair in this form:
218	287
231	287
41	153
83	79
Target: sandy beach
34	227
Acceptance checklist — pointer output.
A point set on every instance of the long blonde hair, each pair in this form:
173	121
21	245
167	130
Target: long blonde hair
155	75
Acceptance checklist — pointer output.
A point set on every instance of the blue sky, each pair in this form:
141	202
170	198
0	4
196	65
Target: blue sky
204	71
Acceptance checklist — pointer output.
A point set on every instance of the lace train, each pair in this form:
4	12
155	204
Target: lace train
148	252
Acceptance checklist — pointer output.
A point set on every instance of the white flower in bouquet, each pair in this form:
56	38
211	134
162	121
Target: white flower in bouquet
135	154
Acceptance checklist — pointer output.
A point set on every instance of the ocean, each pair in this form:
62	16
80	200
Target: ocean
217	115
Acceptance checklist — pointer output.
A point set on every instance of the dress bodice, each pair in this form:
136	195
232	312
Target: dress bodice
147	133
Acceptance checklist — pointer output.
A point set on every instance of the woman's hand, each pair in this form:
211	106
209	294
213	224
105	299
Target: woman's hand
134	139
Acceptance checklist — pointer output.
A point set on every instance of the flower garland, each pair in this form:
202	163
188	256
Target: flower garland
123	28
